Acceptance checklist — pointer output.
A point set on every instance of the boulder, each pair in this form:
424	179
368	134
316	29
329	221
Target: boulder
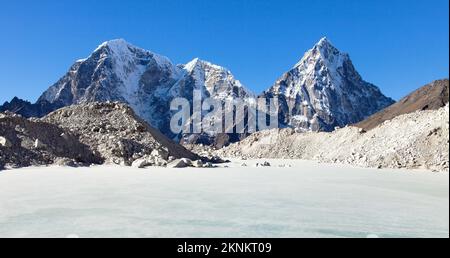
141	163
266	164
180	163
5	142
65	162
160	153
208	165
160	162
197	164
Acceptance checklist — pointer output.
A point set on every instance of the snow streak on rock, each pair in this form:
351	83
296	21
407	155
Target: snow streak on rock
324	91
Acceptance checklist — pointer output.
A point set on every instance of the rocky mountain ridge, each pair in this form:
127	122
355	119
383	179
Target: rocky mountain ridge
324	91
321	92
432	96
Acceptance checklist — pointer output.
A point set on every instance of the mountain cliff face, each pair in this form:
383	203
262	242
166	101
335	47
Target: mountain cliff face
321	92
27	109
214	81
147	82
116	71
324	91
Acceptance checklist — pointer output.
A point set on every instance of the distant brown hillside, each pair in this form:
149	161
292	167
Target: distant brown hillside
430	97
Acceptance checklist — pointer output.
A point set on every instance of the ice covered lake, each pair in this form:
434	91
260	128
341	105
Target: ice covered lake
307	200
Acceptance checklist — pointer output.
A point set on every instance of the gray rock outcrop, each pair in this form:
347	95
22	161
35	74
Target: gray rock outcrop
117	134
324	91
25	142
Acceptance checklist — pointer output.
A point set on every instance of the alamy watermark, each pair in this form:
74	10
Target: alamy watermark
229	115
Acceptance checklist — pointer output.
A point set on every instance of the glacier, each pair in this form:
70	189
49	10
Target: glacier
303	199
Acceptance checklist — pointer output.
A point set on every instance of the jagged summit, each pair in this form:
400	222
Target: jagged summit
113	43
119	71
323	51
119	46
324	90
192	64
197	62
216	80
324	43
323	40
121	49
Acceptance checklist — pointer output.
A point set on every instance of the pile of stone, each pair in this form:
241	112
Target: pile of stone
82	135
118	135
25	142
418	140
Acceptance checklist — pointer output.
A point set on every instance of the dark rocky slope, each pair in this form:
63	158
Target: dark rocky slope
432	96
26	142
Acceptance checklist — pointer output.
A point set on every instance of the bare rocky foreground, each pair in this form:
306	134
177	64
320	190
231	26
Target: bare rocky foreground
96	133
110	133
418	140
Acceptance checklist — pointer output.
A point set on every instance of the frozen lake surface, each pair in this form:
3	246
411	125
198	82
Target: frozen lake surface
307	200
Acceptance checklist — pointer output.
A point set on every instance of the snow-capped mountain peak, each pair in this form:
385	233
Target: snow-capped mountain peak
217	80
324	90
116	70
113	44
323	52
197	63
325	46
122	50
190	66
119	71
324	43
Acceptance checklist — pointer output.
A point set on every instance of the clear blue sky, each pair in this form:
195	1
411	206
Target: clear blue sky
398	45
